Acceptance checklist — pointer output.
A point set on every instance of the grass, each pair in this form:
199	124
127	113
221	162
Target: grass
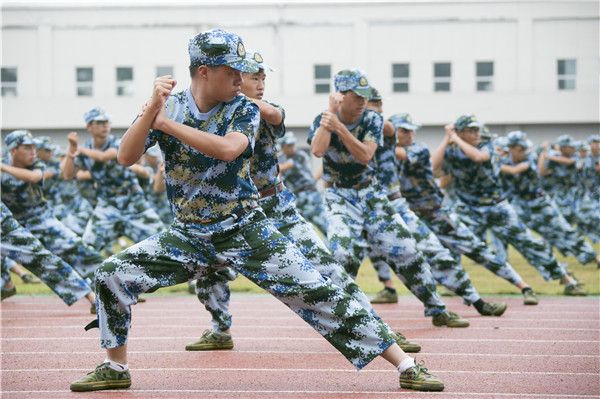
485	282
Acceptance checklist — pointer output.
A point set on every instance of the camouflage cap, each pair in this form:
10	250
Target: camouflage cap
59	151
288	138
465	121
501	142
594	139
218	47
44	143
518	137
96	114
565	141
403	121
17	138
352	79
255	58
375	96
583	146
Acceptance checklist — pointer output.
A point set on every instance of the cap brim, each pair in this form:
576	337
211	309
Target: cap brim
363	92
265	67
244	66
409	126
27	141
475	124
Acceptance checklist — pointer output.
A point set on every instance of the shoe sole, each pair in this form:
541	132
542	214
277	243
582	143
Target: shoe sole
498	313
462	325
208	348
419	386
410	348
530	303
100	386
380	301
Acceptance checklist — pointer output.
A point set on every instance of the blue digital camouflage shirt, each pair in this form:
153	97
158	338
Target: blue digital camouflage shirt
112	179
299	177
525	185
475	183
590	178
25	200
52	185
202	189
264	166
562	178
417	183
339	166
387	165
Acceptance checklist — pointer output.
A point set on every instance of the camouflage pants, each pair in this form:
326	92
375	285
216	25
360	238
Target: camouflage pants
4	274
503	221
253	247
459	239
131	217
311	207
19	244
446	269
588	211
214	293
63	242
542	216
75	214
360	219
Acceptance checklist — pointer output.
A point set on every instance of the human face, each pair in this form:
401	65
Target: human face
567	151
405	136
352	106
517	153
288	149
253	84
595	148
44	155
471	135
223	83
24	155
99	130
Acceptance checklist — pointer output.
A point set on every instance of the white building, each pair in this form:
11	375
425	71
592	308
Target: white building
531	65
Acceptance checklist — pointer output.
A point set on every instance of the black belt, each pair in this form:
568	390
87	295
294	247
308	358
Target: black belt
394	196
356	186
267	192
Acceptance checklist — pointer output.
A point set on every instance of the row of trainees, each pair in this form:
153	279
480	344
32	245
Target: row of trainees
218	222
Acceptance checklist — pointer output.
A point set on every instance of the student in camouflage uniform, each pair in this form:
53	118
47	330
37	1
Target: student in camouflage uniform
469	160
206	134
296	171
20	244
446	269
22	192
122	208
520	178
560	170
359	212
277	201
45	153
589	204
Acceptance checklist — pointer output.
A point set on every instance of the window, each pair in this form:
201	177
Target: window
400	75
85	82
485	75
124	81
164	70
9	82
322	78
442	73
567	72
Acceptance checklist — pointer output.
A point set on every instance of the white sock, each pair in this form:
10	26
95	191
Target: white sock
116	366
406	364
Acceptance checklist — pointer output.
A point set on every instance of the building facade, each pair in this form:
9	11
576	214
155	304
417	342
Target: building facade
529	65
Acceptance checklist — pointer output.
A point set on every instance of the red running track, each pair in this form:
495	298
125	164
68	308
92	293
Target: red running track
548	351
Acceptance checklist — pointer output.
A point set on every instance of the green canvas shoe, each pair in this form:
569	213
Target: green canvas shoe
211	340
419	379
102	378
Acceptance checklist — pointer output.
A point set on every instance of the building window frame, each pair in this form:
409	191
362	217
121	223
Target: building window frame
162	70
9	87
124	78
442	82
566	74
484	75
85	84
401	77
322	78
